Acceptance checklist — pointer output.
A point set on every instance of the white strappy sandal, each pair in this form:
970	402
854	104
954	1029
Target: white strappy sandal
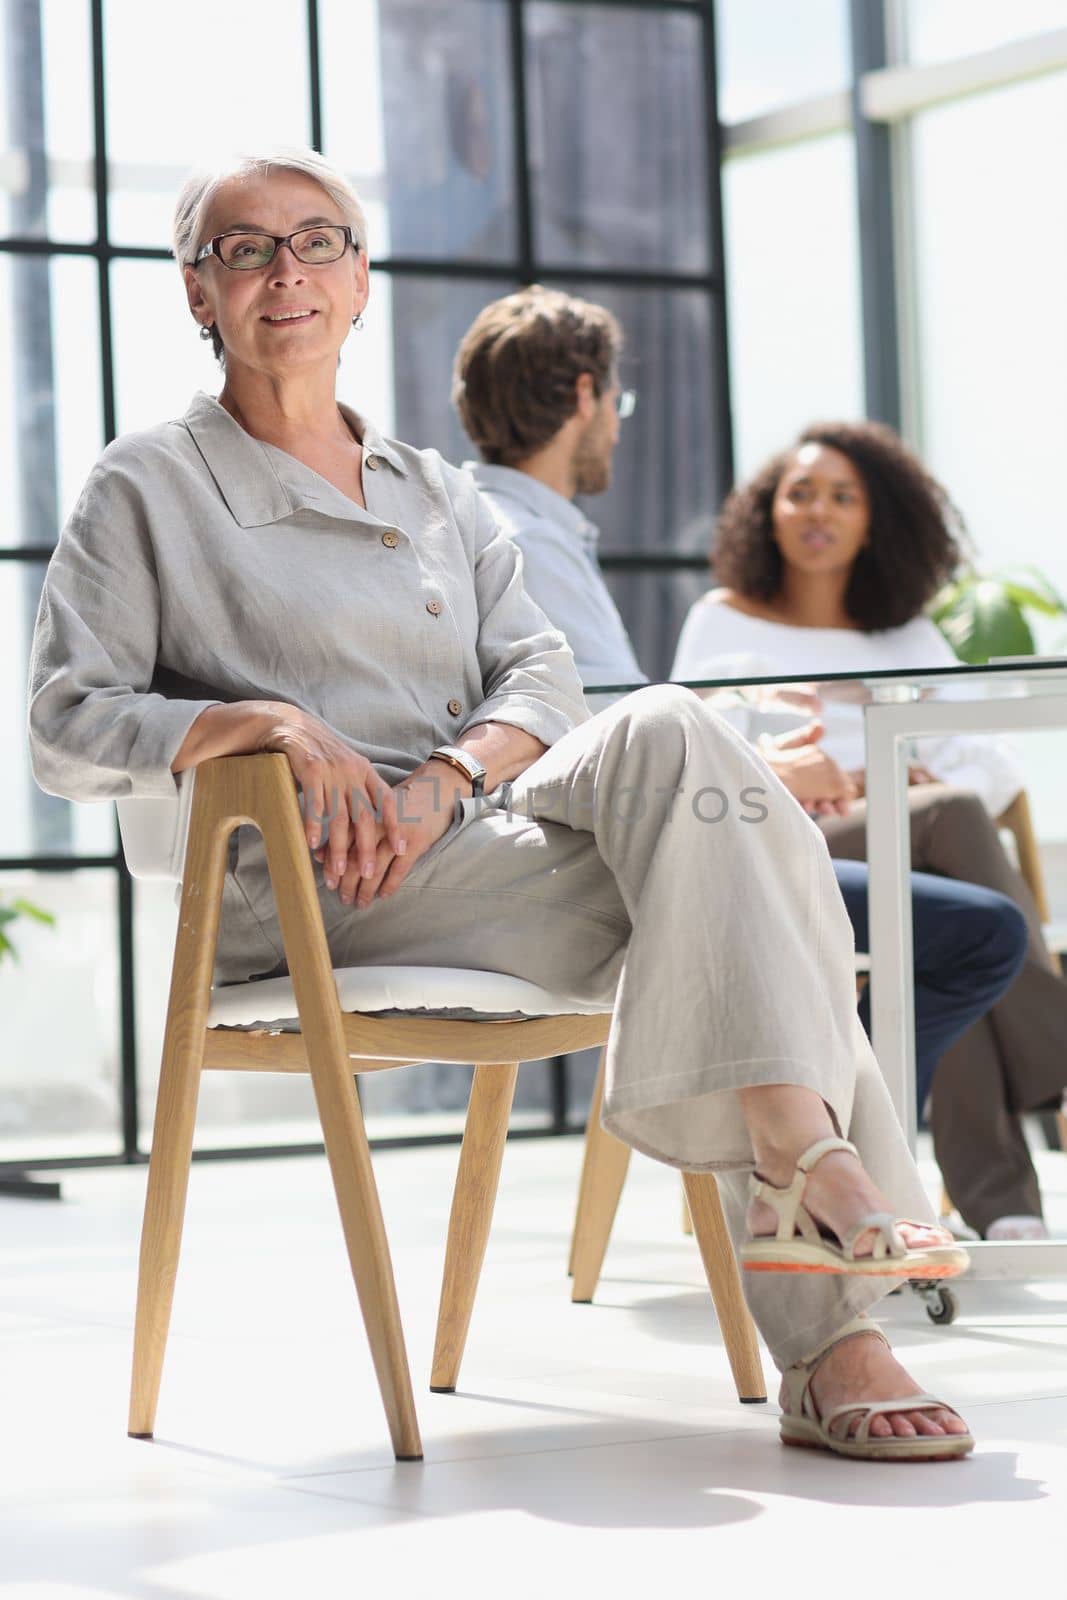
801	1246
802	1424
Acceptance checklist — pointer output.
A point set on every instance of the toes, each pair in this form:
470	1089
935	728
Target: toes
863	1245
914	1236
912	1424
926	1424
933	1424
895	1425
920	1237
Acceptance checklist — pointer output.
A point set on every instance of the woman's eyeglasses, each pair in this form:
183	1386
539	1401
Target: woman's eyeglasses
247	252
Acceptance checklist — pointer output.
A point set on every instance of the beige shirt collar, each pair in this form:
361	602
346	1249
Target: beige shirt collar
245	472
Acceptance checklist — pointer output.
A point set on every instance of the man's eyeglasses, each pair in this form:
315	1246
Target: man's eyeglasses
625	403
247	252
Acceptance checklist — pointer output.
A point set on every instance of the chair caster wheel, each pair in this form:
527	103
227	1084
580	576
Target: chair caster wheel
941	1302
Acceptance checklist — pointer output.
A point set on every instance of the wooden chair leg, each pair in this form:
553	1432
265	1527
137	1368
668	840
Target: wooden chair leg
604	1167
161	1233
343	1130
179	1084
591	1121
348	1153
480	1157
687	1221
724	1280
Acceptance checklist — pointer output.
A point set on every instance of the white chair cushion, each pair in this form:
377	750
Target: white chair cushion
271	1002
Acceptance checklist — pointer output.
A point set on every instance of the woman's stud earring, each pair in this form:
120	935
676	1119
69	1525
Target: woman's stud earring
205	330
358	323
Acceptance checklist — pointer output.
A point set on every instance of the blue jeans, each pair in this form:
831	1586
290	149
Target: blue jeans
969	945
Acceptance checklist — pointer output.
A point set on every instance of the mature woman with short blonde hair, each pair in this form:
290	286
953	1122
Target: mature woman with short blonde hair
269	573
200	189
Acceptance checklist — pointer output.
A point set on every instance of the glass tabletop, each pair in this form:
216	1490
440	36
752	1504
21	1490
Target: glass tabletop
1012	676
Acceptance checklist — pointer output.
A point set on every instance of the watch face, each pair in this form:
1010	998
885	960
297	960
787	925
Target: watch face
474	769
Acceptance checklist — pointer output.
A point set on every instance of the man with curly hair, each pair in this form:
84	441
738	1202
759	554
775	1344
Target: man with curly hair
537	390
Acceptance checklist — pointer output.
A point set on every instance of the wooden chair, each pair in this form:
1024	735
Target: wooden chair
604	1171
322	1022
1017	819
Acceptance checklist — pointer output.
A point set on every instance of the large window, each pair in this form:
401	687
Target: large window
942	30
775	53
791	220
896	239
494	142
792	255
991	222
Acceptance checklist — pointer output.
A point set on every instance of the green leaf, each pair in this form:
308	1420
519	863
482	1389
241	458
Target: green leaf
7	948
1030	588
986	622
28	909
8	914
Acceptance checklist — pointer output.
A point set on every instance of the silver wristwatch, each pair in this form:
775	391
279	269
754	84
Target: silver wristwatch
464	762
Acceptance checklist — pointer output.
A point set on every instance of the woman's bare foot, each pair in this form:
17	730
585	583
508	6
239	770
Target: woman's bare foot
864	1369
838	1193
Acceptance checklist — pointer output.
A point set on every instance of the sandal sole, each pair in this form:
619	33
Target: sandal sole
925	1264
885	1450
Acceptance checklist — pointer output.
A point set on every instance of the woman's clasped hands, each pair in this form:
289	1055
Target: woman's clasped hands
366	835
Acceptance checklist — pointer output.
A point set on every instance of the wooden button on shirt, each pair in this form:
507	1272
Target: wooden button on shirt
391	539
201	565
454	708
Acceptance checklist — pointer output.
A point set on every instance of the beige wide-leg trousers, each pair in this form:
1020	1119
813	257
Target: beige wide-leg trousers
650	859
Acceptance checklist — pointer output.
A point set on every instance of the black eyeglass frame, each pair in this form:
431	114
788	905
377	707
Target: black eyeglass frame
212	247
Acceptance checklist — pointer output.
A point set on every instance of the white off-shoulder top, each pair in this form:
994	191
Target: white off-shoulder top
718	641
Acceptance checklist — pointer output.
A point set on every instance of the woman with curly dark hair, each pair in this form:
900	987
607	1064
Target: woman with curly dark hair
906	534
826	559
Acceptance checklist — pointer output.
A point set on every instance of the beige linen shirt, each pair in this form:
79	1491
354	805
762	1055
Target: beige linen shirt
201	565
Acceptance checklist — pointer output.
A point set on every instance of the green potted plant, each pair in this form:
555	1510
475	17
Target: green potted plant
10	912
984	615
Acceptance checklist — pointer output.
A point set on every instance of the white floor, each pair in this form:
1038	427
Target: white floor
589	1445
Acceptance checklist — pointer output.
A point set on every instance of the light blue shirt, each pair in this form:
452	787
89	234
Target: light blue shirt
561	573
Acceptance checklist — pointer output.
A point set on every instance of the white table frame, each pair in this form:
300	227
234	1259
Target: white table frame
893	719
